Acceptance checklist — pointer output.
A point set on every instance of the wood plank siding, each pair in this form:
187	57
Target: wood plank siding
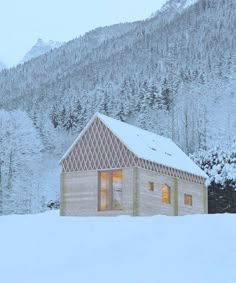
79	194
150	202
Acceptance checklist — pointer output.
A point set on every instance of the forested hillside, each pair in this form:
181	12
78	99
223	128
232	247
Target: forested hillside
173	74
2	66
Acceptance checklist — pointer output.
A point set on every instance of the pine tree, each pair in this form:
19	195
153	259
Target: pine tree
167	95
54	116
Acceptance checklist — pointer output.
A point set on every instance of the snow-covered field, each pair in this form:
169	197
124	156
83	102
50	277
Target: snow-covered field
47	248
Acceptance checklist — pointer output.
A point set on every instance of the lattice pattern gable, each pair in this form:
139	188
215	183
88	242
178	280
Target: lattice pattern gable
162	169
98	148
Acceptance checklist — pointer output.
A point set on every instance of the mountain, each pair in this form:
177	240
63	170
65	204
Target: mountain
41	47
173	74
178	5
194	50
174	7
177	59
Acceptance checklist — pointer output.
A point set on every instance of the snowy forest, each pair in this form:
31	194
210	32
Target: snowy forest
173	74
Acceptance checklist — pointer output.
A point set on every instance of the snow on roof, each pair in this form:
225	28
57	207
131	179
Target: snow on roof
147	145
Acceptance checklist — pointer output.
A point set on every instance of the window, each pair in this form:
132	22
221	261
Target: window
104	190
116	190
165	193
188	199
151	186
110	190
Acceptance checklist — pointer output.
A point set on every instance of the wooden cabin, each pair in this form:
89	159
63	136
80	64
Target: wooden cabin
114	168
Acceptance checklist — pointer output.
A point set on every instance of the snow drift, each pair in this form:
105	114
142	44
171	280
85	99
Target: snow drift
47	248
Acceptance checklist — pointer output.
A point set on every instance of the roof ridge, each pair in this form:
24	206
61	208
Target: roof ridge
130	125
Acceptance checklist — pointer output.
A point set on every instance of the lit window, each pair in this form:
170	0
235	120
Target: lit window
110	190
188	200
165	193
116	190
151	186
104	190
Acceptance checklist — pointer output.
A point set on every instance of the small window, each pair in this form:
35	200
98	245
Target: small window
151	186
188	200
165	193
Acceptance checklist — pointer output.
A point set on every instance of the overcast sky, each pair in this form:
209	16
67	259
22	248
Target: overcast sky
22	22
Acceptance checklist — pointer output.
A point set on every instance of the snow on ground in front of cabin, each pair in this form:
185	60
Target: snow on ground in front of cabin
47	248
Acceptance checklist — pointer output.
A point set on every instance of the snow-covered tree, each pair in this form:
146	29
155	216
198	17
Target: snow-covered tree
220	165
20	151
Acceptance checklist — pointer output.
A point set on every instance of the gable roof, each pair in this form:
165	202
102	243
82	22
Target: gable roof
146	145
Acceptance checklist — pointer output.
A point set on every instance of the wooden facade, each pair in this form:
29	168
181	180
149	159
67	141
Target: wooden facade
101	176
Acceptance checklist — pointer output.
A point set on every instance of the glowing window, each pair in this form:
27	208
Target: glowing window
188	200
151	186
165	193
104	190
110	190
116	190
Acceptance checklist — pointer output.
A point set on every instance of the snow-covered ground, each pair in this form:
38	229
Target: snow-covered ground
47	248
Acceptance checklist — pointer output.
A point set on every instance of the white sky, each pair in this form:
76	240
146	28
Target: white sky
22	22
